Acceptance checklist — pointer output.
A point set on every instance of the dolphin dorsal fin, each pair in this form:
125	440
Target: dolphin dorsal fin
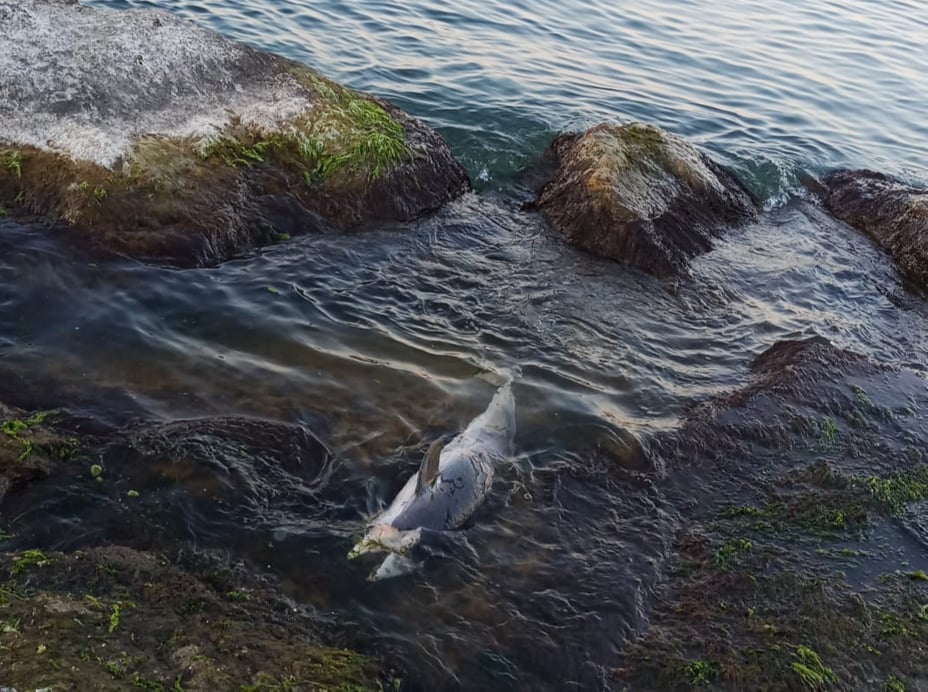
429	469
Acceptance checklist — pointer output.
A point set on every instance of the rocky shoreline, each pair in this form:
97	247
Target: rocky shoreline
186	149
812	582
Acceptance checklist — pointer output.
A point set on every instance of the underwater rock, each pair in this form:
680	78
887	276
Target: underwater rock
29	446
892	213
191	618
806	397
155	138
640	195
233	467
794	568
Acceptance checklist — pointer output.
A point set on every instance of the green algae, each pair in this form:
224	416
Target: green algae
893	684
27	560
778	616
862	397
897	490
15	429
343	133
349	135
12	161
728	553
115	615
801	516
828	433
699	673
811	671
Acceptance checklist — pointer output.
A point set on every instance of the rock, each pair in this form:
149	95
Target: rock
155	138
167	479
640	195
29	446
234	467
164	621
805	396
892	213
796	566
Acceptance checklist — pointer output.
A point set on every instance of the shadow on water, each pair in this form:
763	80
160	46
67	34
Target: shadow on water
265	408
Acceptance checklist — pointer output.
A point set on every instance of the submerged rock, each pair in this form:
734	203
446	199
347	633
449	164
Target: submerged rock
153	137
29	446
640	195
807	398
798	566
125	600
892	213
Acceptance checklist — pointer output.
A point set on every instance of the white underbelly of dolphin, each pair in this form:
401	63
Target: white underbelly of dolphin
450	485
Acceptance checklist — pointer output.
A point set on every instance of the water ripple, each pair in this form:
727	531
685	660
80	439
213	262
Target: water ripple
383	340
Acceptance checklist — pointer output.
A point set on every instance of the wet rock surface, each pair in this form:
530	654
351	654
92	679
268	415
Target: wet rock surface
639	195
155	138
802	566
115	618
893	214
30	446
116	598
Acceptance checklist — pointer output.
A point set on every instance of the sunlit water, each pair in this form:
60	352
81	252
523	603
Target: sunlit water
381	341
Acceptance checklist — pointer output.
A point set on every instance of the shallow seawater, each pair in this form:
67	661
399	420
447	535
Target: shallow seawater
773	87
379	342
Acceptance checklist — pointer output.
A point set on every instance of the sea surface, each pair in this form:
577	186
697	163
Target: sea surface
382	341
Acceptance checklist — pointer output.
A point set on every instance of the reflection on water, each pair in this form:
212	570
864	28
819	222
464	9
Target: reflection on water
772	85
379	342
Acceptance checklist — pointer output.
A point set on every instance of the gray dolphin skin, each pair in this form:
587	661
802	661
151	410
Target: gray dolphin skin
449	487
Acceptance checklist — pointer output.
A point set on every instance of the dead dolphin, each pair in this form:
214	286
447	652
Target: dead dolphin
451	483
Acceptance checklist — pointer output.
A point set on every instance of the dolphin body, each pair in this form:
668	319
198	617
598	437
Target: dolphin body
451	484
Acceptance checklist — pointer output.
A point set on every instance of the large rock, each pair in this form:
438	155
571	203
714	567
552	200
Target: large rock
162	140
190	620
806	396
639	195
892	213
800	559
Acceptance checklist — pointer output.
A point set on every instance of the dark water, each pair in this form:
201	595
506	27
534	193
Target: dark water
381	341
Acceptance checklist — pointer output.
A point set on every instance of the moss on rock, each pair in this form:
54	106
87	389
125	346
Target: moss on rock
199	177
115	618
795	568
640	195
30	446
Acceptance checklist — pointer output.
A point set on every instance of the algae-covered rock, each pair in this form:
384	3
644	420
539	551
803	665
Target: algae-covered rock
29	446
640	195
806	397
797	566
892	213
156	138
115	618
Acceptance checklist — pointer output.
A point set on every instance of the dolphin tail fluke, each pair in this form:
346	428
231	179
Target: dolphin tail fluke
395	565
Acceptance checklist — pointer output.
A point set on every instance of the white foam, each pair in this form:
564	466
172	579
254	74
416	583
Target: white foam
87	81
